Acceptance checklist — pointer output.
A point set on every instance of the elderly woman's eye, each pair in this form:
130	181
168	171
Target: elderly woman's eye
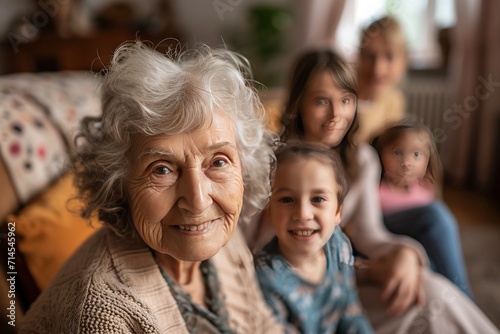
161	170
219	163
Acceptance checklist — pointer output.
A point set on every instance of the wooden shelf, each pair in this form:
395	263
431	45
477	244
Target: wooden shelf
49	52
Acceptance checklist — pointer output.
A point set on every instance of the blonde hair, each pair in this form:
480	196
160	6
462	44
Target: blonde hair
389	28
150	93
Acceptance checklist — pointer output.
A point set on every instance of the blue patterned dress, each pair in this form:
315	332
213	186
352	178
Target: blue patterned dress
332	306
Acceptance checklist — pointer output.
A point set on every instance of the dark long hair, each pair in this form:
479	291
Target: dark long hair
344	76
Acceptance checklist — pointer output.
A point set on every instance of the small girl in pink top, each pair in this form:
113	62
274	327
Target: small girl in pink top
411	168
411	180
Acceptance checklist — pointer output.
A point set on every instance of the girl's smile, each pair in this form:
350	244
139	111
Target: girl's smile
303	207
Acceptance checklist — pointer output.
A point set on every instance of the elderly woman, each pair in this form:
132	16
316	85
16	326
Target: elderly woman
179	152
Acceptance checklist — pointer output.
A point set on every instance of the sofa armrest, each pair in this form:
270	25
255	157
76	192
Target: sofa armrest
8	198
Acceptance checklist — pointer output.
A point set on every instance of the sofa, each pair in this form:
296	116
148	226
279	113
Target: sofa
40	224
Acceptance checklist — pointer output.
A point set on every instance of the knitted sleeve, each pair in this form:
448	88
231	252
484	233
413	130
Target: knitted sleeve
87	297
109	310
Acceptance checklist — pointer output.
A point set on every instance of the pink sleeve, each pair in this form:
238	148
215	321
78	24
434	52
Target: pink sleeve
362	215
394	200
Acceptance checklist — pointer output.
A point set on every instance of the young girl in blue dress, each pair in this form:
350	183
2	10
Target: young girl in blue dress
306	272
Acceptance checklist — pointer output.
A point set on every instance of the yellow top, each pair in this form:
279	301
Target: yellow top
375	116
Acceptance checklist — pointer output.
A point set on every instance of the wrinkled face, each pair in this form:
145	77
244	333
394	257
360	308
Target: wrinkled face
381	66
406	160
303	207
327	111
185	191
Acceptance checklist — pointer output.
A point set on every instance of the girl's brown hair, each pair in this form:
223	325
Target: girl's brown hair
313	151
396	131
344	77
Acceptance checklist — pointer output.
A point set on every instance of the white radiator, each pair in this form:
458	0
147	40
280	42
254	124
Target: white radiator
427	99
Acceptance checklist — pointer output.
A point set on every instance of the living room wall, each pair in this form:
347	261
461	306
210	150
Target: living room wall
211	22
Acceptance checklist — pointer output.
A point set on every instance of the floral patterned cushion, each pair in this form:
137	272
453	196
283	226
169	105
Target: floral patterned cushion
39	117
67	96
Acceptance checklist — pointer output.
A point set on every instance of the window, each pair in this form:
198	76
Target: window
421	20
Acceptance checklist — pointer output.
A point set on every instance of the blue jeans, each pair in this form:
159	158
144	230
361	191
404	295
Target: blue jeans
435	227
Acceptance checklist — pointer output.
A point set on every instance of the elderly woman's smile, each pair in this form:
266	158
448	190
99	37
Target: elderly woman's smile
202	228
185	191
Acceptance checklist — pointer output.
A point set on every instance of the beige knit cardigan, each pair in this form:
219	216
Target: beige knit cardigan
113	285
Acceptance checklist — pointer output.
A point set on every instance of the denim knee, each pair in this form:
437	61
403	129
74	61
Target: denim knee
440	219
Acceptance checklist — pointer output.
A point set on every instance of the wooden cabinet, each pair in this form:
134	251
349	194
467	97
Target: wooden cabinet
50	52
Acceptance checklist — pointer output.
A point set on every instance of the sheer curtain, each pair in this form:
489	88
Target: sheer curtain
317	22
472	122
